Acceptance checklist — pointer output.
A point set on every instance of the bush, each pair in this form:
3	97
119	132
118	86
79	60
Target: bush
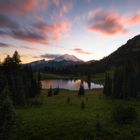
50	92
68	100
124	115
82	105
56	91
126	136
35	102
81	89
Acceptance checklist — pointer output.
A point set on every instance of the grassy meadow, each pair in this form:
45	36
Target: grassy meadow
61	117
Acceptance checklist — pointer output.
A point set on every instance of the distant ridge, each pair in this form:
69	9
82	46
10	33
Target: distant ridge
59	62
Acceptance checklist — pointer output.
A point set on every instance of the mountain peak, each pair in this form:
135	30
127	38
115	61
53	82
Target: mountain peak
67	57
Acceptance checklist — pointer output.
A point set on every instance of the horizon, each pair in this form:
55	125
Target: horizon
88	29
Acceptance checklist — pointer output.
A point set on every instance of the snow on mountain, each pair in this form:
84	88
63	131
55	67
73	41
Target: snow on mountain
67	57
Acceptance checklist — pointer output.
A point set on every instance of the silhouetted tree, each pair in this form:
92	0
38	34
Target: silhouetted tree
81	89
7	116
39	82
108	85
89	80
56	91
50	92
125	81
22	83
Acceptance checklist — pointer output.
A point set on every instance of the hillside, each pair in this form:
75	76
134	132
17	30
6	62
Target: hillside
124	54
127	52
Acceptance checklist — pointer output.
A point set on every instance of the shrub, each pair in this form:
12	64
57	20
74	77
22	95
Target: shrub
82	105
124	115
126	136
35	102
81	89
50	92
56	91
68	100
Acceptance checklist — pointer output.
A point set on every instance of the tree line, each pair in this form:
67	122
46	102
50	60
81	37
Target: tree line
125	81
18	79
17	86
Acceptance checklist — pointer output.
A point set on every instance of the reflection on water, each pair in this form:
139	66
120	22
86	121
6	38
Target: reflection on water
68	84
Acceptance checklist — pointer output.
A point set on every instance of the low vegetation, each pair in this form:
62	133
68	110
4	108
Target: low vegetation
67	116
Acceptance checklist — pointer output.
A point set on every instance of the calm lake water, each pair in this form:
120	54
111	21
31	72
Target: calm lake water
68	84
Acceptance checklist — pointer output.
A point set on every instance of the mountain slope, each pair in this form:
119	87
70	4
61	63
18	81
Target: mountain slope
126	53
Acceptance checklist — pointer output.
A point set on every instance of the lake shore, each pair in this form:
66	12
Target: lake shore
96	78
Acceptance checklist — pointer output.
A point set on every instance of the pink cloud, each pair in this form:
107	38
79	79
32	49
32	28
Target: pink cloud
111	23
135	19
78	50
18	7
108	23
54	31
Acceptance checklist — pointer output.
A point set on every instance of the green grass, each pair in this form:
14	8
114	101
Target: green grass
55	119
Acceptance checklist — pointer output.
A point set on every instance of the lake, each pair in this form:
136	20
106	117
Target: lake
68	84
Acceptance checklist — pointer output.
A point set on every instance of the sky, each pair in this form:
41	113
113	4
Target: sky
45	29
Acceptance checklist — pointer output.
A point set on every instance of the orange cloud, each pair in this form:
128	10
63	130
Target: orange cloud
78	50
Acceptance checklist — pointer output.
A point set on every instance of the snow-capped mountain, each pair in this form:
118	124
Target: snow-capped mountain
59	62
67	57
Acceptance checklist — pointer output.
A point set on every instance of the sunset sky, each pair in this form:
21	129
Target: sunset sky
88	29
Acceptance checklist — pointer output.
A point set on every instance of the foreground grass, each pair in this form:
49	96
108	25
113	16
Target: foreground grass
55	119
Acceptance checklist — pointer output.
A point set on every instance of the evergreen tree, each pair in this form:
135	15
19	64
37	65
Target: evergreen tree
7	116
50	92
126	79
108	85
89	80
39	85
56	91
81	89
16	58
21	81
